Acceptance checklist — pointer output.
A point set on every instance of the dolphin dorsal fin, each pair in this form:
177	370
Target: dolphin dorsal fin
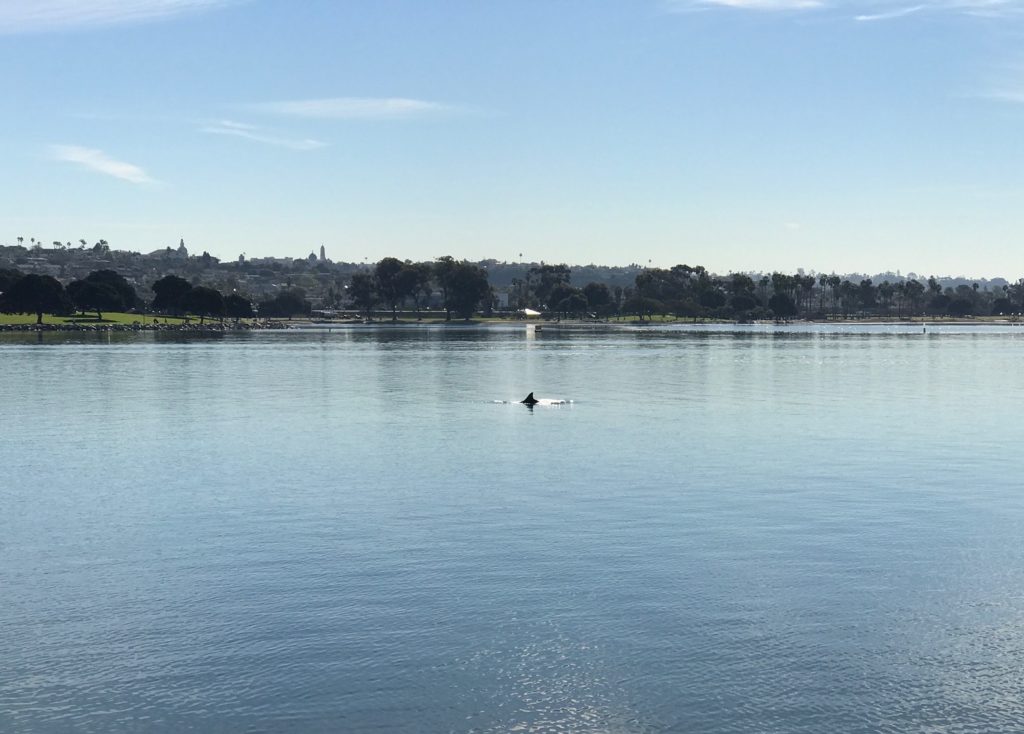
529	399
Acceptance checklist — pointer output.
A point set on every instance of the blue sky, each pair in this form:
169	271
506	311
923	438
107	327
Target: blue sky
738	134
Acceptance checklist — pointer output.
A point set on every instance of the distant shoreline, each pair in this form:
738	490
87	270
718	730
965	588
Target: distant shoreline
302	324
120	327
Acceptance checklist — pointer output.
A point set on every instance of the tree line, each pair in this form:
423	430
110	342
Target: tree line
681	291
462	288
694	292
108	290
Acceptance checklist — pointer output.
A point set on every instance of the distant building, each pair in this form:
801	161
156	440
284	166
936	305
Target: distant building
179	254
323	254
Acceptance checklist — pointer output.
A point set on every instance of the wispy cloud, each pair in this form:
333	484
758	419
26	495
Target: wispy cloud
355	108
870	10
985	8
1005	84
682	6
28	16
1005	95
100	162
889	15
255	134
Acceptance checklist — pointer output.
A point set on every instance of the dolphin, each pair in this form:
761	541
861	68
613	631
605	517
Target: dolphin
529	400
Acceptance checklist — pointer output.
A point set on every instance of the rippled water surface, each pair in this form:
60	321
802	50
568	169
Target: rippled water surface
728	530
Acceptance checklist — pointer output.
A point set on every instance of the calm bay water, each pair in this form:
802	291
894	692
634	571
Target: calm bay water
729	530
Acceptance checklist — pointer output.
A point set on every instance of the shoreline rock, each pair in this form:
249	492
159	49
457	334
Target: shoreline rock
189	328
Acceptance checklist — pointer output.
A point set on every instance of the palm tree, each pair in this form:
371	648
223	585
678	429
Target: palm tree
914	290
834	281
900	291
886	290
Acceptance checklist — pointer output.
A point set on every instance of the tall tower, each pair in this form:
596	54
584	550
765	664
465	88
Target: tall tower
323	254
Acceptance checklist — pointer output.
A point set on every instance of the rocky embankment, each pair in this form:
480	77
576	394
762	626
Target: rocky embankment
137	326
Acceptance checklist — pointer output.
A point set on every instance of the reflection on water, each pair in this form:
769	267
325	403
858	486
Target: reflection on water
731	529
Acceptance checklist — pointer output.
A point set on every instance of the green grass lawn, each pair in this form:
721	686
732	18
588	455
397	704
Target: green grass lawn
112	317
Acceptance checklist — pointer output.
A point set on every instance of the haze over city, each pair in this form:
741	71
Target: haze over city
739	134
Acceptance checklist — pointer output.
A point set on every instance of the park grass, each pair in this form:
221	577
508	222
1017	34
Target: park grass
89	318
